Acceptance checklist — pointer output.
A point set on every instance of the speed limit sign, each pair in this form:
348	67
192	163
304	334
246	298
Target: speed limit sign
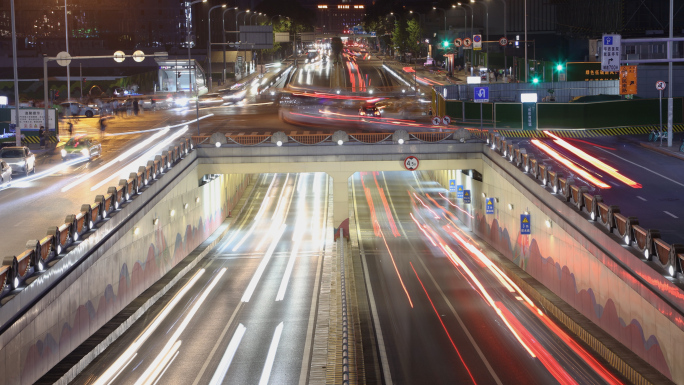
411	163
436	121
446	119
503	42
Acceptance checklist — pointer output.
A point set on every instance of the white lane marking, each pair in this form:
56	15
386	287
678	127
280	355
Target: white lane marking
371	297
670	214
122	369
434	282
218	342
266	373
167	367
314	298
152	371
259	213
126	356
262	266
223	366
643	199
645	168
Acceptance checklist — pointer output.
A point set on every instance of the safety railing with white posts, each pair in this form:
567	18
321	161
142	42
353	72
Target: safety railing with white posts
670	257
15	270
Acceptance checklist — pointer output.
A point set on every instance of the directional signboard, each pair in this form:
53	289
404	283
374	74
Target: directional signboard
452	185
628	80
477	42
466	196
481	94
610	58
459	191
525	226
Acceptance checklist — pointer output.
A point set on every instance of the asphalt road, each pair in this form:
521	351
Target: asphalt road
658	198
247	318
444	315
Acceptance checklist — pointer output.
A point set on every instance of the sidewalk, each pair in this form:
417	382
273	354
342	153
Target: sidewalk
670	151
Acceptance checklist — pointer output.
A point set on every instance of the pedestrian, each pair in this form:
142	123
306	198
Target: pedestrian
41	136
70	128
103	126
136	107
496	76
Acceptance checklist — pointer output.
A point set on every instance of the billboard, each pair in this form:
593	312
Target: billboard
256	36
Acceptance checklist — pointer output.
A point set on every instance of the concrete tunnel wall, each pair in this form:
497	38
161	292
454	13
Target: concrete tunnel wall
77	307
571	267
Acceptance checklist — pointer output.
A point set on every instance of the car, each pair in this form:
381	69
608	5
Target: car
21	159
369	109
78	109
5	172
81	146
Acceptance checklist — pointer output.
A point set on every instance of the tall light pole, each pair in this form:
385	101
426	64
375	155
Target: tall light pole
472	21
17	132
211	76
223	23
443	11
66	32
505	36
527	66
252	15
237	31
190	80
486	32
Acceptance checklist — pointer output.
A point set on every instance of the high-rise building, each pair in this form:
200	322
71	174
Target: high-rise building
336	18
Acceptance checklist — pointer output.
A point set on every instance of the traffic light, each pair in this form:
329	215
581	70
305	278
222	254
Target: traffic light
559	67
535	80
446	44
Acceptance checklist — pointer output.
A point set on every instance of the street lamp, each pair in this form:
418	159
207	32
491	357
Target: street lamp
17	132
223	22
211	77
443	11
237	31
472	21
252	15
486	31
190	78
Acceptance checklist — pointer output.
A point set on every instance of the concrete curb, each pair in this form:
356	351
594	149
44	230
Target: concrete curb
677	155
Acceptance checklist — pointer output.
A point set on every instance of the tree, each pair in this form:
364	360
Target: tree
414	33
336	47
400	36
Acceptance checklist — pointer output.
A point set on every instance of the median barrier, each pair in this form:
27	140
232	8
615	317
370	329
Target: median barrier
13	277
544	173
5	272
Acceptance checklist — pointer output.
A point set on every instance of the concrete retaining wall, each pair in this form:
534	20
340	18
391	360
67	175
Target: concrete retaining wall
589	277
139	252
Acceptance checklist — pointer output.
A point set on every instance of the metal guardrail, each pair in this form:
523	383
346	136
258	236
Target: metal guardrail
668	256
15	270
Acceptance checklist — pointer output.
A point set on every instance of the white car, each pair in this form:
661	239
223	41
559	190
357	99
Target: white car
78	109
5	172
21	159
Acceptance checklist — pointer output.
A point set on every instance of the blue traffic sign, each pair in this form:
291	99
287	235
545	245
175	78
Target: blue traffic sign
489	206
466	196
481	94
459	191
452	185
525	227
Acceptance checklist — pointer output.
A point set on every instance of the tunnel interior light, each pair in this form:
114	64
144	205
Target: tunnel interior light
185	206
484	195
136	231
155	221
197	200
510	206
548	223
173	212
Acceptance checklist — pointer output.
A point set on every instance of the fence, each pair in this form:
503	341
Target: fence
510	92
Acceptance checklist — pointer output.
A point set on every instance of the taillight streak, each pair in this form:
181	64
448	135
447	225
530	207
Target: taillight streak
569	164
595	162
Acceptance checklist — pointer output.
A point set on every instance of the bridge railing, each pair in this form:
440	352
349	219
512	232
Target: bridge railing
669	257
17	269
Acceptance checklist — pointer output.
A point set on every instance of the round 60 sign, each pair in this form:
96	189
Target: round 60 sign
411	163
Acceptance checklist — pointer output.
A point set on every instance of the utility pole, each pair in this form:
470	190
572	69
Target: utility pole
527	66
17	130
669	81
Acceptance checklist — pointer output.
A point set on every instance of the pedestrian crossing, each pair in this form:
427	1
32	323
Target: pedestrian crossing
587	133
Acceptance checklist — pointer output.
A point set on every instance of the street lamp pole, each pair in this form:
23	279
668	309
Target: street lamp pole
443	11
17	132
190	77
237	32
66	30
472	21
486	32
505	36
211	76
223	23
527	66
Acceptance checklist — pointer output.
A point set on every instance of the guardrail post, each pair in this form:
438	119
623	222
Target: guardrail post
13	274
71	221
34	245
56	243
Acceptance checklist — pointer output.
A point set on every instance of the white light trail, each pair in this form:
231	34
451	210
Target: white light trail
133	166
266	373
52	170
224	365
151	373
128	355
258	215
262	266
